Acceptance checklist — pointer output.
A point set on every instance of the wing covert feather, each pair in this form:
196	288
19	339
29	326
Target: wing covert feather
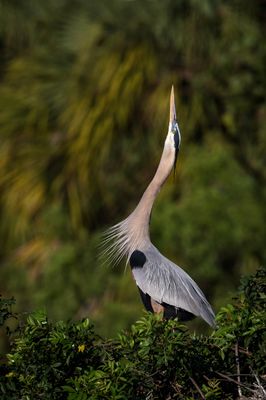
166	282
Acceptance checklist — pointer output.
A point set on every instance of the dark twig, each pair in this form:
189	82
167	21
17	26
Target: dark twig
234	381
259	385
242	350
198	389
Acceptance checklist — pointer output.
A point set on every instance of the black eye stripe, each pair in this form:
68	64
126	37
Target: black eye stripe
177	140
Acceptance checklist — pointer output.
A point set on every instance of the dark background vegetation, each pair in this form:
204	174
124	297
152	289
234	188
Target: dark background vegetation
84	97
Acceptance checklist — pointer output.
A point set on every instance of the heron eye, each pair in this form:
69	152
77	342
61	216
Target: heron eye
176	133
174	127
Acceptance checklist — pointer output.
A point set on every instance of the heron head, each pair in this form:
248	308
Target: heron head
173	126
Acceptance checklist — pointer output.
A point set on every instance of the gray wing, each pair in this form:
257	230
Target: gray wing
165	282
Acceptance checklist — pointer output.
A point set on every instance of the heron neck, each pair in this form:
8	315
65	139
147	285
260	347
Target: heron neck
144	208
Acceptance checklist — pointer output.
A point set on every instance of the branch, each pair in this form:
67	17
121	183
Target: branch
234	381
198	389
238	370
242	350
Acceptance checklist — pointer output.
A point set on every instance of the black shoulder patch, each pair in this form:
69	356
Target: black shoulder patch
137	259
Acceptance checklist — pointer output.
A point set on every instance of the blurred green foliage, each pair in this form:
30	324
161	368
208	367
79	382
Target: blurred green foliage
84	99
155	359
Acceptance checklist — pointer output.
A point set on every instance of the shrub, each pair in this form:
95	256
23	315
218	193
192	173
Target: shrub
156	359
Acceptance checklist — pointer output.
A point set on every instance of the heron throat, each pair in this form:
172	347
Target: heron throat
133	232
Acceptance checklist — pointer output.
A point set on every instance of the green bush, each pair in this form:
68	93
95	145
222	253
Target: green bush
155	359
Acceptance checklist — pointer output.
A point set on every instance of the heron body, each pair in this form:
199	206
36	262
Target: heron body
164	287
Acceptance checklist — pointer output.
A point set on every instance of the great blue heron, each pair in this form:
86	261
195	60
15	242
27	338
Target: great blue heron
164	287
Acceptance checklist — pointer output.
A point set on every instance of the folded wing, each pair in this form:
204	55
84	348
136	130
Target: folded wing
167	283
